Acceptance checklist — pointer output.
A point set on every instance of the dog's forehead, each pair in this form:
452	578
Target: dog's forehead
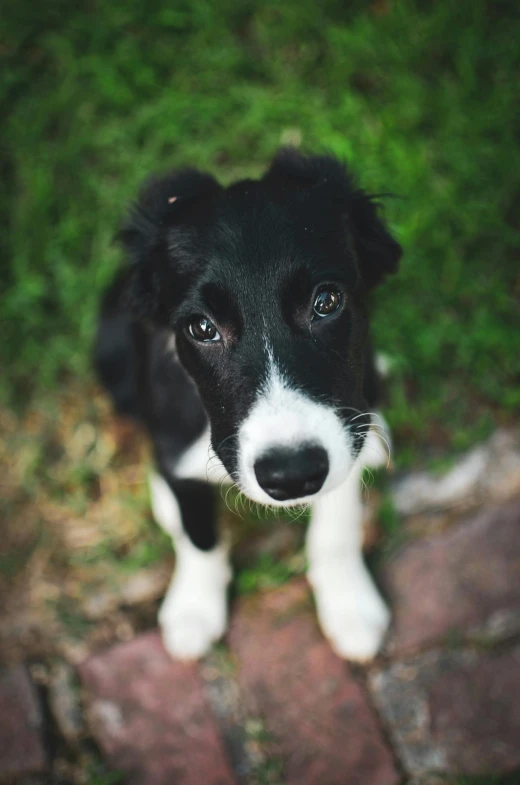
264	228
257	203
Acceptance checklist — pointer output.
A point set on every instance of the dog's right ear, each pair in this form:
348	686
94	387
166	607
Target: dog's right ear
377	252
164	205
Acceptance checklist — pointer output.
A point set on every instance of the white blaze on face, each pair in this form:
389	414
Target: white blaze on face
284	417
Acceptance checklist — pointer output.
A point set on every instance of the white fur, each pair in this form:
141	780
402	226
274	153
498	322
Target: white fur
383	365
194	612
165	508
376	449
351	612
285	417
200	462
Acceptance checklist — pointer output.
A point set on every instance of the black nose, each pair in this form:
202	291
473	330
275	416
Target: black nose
290	474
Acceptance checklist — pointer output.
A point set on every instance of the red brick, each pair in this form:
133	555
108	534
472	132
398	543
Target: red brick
468	576
322	726
454	712
150	716
21	746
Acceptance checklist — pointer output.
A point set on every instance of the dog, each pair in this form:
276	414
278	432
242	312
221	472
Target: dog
238	333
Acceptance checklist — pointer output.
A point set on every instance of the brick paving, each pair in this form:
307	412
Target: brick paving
22	749
276	706
465	577
454	711
151	717
319	716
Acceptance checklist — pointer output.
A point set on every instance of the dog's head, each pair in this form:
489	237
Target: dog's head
264	286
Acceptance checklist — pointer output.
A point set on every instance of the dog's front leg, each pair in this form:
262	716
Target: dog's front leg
351	612
194	611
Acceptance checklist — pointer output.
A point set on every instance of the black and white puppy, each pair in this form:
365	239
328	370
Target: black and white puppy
238	335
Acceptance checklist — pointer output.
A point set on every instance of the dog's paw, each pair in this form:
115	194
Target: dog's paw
355	636
354	618
191	622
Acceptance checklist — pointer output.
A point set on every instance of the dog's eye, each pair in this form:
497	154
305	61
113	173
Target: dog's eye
203	330
326	303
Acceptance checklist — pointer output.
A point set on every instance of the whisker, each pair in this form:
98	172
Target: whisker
363	414
383	438
366	414
243	499
302	509
388	445
372	425
367	428
388	450
231	436
365	486
237	501
221	486
371	447
226	497
350	408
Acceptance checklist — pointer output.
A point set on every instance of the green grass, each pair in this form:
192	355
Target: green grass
267	767
268	572
98	774
419	97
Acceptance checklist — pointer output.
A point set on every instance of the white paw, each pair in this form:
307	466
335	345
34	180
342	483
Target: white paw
354	636
352	616
191	620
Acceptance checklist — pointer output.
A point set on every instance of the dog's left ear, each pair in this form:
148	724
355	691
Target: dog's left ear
377	252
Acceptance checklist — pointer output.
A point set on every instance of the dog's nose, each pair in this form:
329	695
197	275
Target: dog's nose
290	474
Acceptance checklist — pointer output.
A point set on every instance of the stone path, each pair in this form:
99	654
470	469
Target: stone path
274	705
22	749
